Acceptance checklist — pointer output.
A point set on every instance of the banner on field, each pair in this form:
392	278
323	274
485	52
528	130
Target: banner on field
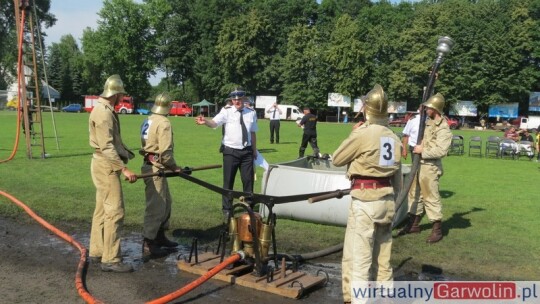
339	100
534	102
397	107
504	110
358	104
464	108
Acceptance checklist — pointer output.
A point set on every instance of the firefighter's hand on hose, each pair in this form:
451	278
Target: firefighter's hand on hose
130	176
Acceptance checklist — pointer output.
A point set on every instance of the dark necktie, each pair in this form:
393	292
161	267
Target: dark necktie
244	130
274	115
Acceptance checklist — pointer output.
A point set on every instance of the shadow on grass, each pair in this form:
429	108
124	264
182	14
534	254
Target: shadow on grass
185	236
446	194
267	150
458	221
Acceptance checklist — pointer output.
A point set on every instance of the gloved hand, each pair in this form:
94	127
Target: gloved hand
187	170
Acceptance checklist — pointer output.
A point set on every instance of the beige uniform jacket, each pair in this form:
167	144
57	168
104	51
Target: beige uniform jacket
158	140
436	142
104	129
372	151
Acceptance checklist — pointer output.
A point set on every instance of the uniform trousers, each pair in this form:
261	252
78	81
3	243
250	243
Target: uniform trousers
274	129
312	139
108	218
234	160
424	192
158	202
368	244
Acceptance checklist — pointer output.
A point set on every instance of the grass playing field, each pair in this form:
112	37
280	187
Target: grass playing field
490	205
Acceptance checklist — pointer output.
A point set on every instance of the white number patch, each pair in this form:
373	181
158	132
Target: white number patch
144	129
387	148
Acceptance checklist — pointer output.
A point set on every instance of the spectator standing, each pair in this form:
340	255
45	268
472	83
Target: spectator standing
275	113
239	144
434	146
309	124
409	141
158	150
108	162
372	154
410	134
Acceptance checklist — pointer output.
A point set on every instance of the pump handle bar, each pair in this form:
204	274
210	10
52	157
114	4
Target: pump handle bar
186	170
338	194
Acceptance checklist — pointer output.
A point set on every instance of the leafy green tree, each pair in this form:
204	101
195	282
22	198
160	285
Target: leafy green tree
303	69
8	36
345	58
64	60
241	50
124	45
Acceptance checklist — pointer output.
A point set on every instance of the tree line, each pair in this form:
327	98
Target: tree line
300	50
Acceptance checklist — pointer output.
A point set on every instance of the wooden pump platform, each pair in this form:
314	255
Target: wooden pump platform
290	284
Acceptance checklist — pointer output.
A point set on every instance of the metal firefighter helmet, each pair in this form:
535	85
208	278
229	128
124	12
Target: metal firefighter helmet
113	85
162	105
436	102
376	106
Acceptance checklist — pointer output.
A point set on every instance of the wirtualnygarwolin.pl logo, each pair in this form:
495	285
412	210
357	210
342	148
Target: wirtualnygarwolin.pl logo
477	292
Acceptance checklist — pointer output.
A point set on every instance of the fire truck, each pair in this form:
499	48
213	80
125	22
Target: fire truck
125	106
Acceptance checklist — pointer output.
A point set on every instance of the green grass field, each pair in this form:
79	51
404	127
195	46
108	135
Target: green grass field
491	223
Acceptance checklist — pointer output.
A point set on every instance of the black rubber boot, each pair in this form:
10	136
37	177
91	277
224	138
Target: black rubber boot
163	241
151	250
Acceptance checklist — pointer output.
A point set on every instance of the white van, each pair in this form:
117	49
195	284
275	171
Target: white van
288	112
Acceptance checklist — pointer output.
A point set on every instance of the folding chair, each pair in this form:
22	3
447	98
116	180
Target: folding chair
525	148
457	146
475	144
492	146
508	148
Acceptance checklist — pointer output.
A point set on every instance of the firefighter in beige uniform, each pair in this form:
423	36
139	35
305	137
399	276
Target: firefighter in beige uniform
373	155
157	148
434	146
108	161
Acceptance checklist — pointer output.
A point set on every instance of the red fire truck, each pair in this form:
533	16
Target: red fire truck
125	106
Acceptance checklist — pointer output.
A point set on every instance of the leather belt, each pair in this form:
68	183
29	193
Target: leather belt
369	182
150	157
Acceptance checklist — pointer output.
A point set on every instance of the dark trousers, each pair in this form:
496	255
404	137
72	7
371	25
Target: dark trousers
274	128
312	139
234	159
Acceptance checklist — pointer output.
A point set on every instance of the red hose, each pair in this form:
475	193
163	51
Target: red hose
81	289
205	277
20	78
82	262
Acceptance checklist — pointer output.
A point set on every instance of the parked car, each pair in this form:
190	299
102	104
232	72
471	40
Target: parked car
48	108
180	108
142	111
400	119
74	108
452	123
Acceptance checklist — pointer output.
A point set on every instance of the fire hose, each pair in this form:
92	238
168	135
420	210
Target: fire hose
237	256
79	284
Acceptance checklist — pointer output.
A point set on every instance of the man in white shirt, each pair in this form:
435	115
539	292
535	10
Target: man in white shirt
410	135
274	112
239	141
